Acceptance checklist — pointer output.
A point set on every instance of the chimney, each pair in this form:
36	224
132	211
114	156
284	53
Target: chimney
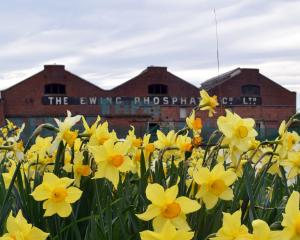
54	67
157	68
54	72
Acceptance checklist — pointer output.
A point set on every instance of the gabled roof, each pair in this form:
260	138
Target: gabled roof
150	69
215	81
53	68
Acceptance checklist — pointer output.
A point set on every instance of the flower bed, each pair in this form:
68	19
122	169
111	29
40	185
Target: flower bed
93	185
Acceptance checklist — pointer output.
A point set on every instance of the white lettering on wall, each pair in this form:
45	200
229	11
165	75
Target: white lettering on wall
156	100
118	100
165	100
93	100
83	100
137	100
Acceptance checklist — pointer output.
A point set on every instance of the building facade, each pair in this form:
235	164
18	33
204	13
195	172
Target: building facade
251	94
153	99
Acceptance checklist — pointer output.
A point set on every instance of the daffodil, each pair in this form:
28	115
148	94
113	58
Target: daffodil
184	144
7	176
19	229
291	219
167	232
214	185
288	142
208	103
64	131
197	141
135	141
79	168
101	135
194	123
292	163
239	133
165	206
90	130
58	195
39	152
232	229
165	141
238	167
261	231
111	159
148	147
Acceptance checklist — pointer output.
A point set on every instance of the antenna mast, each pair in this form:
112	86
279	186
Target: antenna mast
217	38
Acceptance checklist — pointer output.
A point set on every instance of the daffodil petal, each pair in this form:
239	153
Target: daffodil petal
41	192
73	194
155	193
188	205
151	212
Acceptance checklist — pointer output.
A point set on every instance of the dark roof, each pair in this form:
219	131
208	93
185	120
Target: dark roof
215	81
153	69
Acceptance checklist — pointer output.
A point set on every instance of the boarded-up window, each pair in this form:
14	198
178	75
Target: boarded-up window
251	90
55	88
157	89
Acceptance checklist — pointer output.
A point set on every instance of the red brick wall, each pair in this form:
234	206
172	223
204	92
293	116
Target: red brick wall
278	103
138	86
24	98
2	114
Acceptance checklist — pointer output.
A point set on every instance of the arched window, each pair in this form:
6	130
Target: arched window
55	88
251	90
157	89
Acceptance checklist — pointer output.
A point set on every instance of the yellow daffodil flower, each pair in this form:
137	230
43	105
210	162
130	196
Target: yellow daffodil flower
90	130
239	132
165	141
197	140
133	139
58	195
7	176
148	147
101	135
111	159
292	163
194	123
165	206
214	185
39	152
167	232
291	219
79	169
287	144
65	133
232	228
18	228
261	231
208	103
184	144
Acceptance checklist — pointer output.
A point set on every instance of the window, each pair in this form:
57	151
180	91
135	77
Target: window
55	89
152	129
251	90
157	89
182	113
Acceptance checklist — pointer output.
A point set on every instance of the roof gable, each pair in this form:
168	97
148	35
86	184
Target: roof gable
215	81
161	74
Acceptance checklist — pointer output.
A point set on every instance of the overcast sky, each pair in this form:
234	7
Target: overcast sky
109	42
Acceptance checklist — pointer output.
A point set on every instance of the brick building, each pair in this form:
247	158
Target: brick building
251	94
154	99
